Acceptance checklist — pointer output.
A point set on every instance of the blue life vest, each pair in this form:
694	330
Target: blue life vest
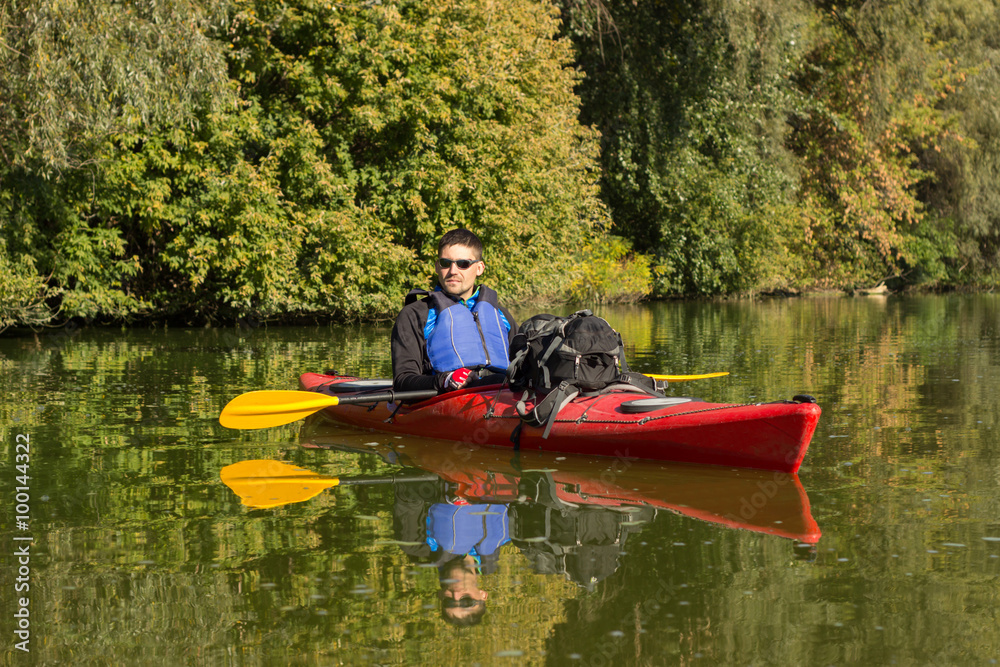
467	529
468	338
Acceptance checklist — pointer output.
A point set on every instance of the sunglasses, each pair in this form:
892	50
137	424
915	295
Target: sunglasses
464	602
460	263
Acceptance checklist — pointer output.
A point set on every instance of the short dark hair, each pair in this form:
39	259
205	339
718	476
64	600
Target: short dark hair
464	237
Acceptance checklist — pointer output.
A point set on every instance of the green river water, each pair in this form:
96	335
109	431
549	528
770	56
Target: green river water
122	545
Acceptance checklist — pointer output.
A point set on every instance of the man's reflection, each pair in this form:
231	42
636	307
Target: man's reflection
463	539
463	603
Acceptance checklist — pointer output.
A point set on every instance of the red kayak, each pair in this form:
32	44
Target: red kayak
767	436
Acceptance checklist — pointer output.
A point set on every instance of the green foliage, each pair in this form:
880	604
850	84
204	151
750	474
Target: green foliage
23	293
931	249
719	240
438	116
611	273
262	159
691	99
966	163
822	144
870	78
81	256
73	72
363	133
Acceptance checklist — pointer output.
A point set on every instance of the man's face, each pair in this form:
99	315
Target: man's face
460	283
460	593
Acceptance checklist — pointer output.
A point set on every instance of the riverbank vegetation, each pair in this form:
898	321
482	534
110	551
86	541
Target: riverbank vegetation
255	159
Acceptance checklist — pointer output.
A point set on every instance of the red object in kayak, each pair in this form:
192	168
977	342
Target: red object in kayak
767	436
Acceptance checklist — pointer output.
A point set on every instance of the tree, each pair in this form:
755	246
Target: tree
73	73
874	84
362	132
437	115
966	164
72	76
691	99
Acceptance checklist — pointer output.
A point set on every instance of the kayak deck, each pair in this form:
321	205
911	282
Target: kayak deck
769	436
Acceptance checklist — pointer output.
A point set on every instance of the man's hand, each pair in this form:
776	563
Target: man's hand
454	380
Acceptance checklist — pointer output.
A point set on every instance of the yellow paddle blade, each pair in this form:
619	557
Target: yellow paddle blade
261	484
682	378
261	409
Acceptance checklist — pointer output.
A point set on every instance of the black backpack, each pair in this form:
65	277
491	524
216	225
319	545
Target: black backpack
563	357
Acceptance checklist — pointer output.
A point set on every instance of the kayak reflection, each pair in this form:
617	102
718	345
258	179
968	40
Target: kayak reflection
455	505
568	514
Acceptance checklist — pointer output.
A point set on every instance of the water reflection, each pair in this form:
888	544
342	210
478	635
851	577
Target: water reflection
760	501
456	505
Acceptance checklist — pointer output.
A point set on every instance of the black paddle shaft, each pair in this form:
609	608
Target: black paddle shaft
387	396
388	479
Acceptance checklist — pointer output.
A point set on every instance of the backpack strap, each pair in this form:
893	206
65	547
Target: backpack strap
516	362
515	437
413	295
638	381
522	409
545	411
627	382
556	343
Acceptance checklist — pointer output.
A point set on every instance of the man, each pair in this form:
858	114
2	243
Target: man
458	335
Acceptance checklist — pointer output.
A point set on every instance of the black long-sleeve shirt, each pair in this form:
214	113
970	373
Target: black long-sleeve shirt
411	367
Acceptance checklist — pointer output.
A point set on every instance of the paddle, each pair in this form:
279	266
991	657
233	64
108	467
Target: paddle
261	483
262	409
682	378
